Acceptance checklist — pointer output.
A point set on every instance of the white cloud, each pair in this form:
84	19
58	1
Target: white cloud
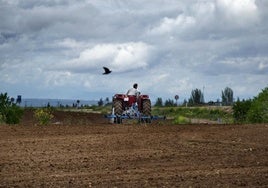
118	57
70	43
166	46
169	25
263	66
218	15
238	7
239	12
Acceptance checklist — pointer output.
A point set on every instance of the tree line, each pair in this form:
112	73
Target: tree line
197	99
246	111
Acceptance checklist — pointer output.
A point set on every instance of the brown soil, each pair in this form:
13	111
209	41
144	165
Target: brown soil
84	150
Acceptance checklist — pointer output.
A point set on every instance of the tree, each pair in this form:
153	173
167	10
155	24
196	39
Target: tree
159	102
77	103
185	102
10	113
100	102
107	100
169	102
197	97
176	98
18	100
227	96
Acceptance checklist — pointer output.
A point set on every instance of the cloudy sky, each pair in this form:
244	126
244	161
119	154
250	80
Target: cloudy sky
57	48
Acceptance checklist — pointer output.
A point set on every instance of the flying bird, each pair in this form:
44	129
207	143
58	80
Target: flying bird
106	70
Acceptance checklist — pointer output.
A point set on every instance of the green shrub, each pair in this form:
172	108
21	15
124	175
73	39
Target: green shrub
171	110
252	111
240	110
181	120
43	115
14	115
258	112
10	113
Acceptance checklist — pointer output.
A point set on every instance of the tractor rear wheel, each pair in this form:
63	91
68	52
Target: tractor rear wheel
146	107
118	107
146	111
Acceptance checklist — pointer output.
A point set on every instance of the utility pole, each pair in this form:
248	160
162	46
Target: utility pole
204	94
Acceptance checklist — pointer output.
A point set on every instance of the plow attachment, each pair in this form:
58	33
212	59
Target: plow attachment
142	119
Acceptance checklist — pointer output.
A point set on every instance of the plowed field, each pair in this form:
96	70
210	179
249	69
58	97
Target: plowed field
84	150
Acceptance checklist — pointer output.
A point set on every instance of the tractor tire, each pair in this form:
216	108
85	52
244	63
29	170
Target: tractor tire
146	111
146	107
118	120
118	107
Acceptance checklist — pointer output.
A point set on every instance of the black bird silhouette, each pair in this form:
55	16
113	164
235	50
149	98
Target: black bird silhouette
107	71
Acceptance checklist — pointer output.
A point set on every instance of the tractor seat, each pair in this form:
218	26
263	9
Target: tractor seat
132	99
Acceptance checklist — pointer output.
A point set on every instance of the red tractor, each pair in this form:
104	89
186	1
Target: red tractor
131	107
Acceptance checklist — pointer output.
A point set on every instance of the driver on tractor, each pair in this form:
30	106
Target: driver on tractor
133	94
